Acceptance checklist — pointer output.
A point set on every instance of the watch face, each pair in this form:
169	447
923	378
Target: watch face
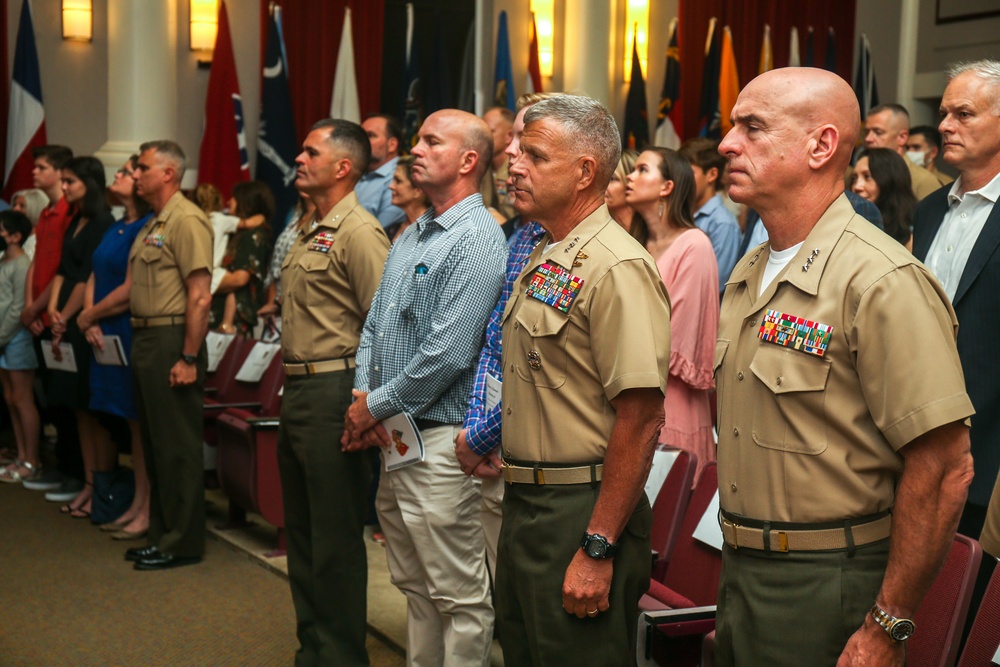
902	630
596	549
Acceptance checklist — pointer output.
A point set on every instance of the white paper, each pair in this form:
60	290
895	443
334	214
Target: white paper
493	389
257	362
709	531
407	446
996	657
68	362
113	353
216	345
662	463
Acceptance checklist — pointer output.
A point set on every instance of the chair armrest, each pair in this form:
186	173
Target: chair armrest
264	423
211	391
222	406
675	623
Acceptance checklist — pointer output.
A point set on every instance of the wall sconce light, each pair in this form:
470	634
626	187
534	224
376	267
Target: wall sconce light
544	11
78	20
636	14
204	25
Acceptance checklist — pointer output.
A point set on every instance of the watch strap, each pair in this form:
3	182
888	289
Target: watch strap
898	629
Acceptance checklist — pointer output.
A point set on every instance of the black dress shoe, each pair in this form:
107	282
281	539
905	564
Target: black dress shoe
162	561
139	553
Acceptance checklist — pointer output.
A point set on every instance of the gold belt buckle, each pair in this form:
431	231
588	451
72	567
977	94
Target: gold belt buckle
782	541
735	544
505	471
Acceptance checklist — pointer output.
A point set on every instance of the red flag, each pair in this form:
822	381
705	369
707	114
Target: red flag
534	69
223	160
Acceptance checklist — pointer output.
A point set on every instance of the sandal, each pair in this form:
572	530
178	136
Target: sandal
12	473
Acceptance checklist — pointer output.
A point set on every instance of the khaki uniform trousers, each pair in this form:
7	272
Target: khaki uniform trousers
171	423
491	514
541	533
429	513
324	491
793	609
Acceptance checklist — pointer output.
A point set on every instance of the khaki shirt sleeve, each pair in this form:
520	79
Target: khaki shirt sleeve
191	243
365	251
903	337
630	334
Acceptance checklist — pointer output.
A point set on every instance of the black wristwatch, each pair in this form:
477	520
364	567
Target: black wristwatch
598	547
189	359
898	629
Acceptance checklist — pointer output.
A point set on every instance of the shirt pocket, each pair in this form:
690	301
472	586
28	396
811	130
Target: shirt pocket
144	270
789	410
542	344
313	266
418	298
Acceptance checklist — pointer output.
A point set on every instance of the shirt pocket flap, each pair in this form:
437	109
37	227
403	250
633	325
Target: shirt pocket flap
314	261
540	320
784	371
150	254
721	347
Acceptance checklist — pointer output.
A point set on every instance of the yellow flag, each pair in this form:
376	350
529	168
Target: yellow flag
766	57
729	81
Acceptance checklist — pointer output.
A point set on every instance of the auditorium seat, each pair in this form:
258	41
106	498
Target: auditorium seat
669	506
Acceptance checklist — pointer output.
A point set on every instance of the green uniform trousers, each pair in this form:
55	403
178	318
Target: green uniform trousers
171	423
793	609
541	532
325	492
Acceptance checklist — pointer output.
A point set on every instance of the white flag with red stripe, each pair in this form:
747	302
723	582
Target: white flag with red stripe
26	119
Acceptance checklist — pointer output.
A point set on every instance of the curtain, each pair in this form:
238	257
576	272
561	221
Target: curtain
312	37
746	19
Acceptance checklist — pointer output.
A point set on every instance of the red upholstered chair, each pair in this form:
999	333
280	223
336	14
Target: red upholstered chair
260	397
224	374
984	638
669	507
942	613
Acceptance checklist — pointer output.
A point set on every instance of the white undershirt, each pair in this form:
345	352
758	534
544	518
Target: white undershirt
776	261
962	224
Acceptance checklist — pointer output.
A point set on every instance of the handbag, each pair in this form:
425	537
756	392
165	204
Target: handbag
113	494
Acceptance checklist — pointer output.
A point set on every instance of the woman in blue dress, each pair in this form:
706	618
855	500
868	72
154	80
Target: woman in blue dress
106	313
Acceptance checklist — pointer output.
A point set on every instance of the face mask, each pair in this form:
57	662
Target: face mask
918	158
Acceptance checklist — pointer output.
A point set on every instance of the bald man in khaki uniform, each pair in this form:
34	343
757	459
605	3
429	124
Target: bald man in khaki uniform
586	347
328	280
843	450
170	272
888	126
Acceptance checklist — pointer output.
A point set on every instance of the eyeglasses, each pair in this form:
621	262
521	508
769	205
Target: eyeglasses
125	172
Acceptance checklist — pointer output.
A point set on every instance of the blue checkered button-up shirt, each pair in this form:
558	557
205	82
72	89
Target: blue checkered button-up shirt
425	327
485	427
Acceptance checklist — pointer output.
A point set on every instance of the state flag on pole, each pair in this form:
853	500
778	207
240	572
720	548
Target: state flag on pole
729	82
708	112
503	76
277	145
810	59
831	51
223	159
766	61
636	132
534	82
793	49
669	114
413	105
26	118
865	86
344	99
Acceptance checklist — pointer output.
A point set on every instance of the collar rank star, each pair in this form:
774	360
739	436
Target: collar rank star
796	333
322	242
555	286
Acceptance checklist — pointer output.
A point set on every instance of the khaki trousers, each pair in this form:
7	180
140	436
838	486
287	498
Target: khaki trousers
429	513
491	514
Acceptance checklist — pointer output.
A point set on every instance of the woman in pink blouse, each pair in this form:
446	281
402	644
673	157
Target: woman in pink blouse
661	190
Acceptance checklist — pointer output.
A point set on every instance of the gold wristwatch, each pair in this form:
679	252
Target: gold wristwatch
898	629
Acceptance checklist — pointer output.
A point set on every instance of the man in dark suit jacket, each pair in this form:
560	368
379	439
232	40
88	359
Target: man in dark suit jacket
957	234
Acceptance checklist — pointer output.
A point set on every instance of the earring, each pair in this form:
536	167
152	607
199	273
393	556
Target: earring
659	209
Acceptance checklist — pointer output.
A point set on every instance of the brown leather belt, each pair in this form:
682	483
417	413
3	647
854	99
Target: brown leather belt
539	474
314	367
161	321
825	539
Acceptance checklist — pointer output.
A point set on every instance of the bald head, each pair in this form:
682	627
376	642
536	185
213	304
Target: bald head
793	133
454	151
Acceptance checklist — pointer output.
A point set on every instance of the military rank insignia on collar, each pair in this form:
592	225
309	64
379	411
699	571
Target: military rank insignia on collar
322	242
554	285
796	333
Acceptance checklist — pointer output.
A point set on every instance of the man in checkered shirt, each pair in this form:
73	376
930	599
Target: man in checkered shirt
417	356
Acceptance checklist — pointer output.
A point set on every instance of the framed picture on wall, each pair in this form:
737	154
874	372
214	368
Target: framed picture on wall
950	11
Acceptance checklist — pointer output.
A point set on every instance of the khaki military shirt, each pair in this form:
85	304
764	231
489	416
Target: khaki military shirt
923	181
808	437
328	280
168	249
562	369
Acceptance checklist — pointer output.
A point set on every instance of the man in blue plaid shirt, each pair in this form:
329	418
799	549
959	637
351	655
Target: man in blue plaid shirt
417	356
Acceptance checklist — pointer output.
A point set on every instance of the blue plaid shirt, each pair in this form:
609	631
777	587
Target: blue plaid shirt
425	327
484	427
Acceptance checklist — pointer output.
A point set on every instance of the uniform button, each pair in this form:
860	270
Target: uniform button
517	325
779	380
736	432
508	410
534	328
739	376
512	367
732	487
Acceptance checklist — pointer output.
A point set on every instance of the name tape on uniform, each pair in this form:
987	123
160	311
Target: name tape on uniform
555	286
796	333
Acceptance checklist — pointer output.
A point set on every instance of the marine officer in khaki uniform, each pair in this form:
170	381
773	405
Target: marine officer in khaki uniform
843	450
328	280
169	272
586	347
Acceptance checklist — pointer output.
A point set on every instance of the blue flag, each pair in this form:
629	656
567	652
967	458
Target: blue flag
636	132
709	119
503	77
277	144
